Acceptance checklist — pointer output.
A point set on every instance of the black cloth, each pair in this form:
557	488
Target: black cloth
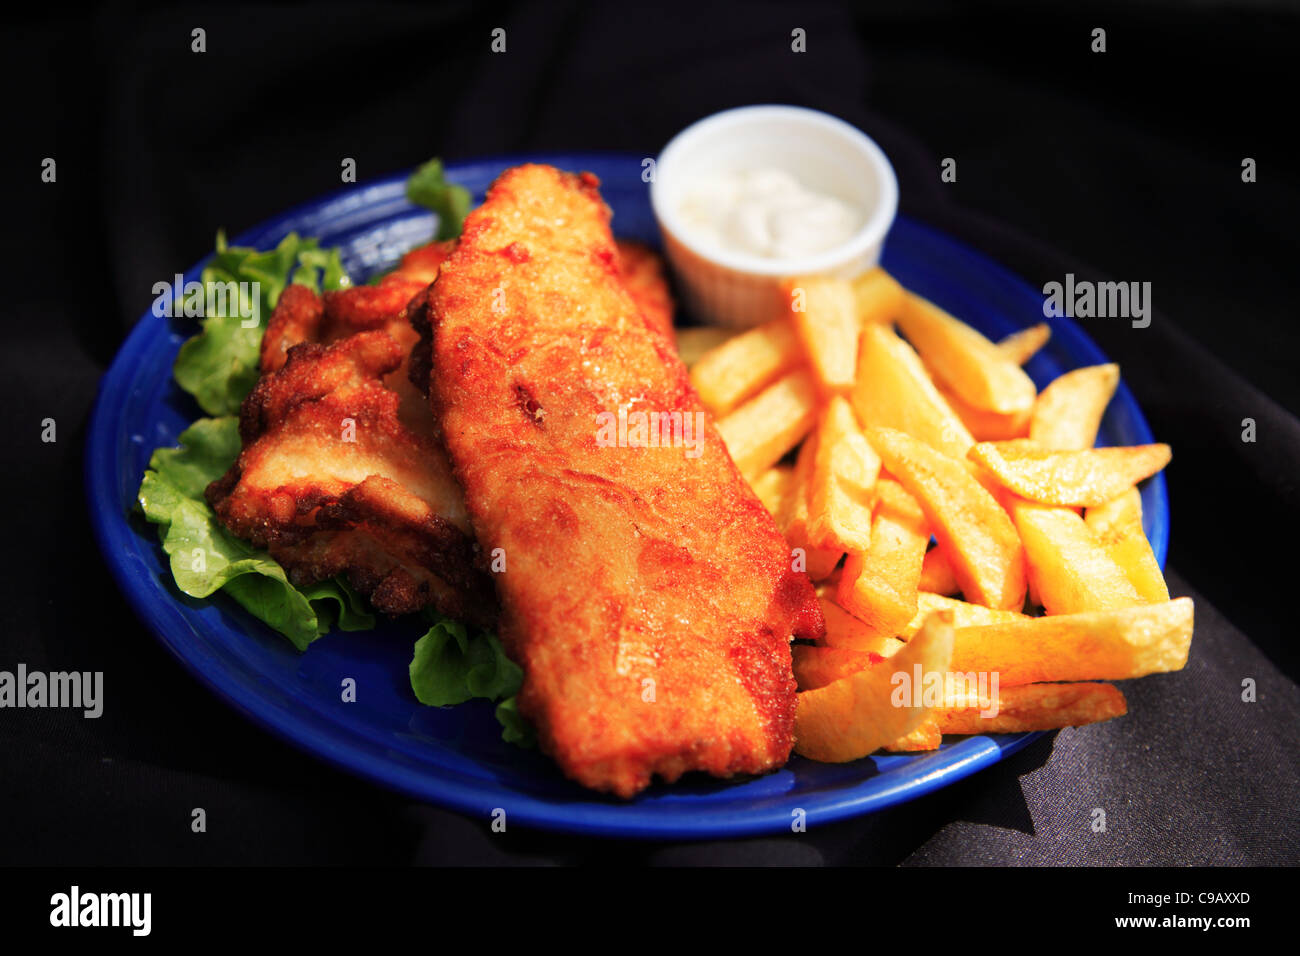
1128	162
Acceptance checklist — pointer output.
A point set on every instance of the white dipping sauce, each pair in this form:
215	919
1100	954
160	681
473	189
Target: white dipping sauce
767	212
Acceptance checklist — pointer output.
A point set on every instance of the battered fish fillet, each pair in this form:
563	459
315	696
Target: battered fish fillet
404	542
301	316
639	266
331	481
642	272
647	593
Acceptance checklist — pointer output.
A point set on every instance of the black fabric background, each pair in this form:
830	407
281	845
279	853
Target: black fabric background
1122	165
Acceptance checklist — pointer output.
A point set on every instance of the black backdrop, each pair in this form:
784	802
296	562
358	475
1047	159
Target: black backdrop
1123	165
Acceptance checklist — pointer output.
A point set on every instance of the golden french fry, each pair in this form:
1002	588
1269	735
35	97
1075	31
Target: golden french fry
987	426
1068	412
855	463
694	342
819	561
966	519
1071	479
816	666
842	484
774	488
1031	707
926	735
892	498
745	364
936	573
1070	569
1118	526
964	360
825	317
964	614
856	715
1021	346
879	586
1094	645
845	631
893	390
879	296
774	421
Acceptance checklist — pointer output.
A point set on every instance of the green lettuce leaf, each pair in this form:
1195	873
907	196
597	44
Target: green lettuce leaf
219	365
337	605
204	557
451	665
515	729
428	187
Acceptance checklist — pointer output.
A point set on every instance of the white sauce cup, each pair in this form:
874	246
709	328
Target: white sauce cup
825	154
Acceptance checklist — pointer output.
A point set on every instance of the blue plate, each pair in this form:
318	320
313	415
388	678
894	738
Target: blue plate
455	756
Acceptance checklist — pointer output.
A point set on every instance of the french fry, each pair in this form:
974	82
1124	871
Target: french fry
825	317
966	362
819	561
842	484
879	586
1021	346
1068	412
855	716
1031	707
879	297
1117	525
845	631
761	431
966	519
893	390
936	573
1070	569
854	462
987	426
816	666
926	735
694	342
1072	479
774	488
745	364
1095	645
964	614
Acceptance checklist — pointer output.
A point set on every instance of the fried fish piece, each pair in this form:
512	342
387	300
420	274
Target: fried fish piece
301	316
331	481
643	275
646	592
423	262
639	266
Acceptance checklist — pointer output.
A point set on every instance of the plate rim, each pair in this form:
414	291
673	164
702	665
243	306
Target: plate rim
343	747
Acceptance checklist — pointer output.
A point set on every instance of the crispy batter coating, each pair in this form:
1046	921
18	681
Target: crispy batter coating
640	267
301	315
331	481
643	275
423	262
399	533
647	593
